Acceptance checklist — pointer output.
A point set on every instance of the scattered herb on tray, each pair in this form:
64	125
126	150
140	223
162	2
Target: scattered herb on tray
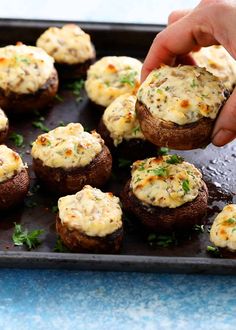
199	228
23	237
162	240
30	203
59	98
163	151
54	209
35	188
40	125
175	159
124	162
214	251
76	87
18	139
60	247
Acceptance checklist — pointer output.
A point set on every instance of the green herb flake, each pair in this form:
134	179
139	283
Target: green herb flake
159	91
163	151
59	98
60	247
18	139
23	237
213	250
162	240
76	87
40	125
54	209
129	78
175	159
231	220
136	130
193	84
167	88
185	186
30	204
160	171
61	123
233	230
124	162
199	228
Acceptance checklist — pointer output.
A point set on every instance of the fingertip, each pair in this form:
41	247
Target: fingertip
222	137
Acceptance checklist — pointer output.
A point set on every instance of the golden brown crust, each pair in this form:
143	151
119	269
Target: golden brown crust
166	220
76	241
171	135
14	190
132	149
69	181
14	103
3	134
74	71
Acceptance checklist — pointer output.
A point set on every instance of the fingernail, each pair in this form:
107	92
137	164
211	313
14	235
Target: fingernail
223	136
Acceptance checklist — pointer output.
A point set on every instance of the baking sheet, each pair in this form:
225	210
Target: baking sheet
217	164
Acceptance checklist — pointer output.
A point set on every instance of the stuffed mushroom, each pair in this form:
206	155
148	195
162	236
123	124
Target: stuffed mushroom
90	221
14	179
121	131
67	158
177	107
71	49
166	194
28	79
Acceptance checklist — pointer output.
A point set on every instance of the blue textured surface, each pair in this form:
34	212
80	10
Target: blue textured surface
49	299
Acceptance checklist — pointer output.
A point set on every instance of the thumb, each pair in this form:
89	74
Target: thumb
225	127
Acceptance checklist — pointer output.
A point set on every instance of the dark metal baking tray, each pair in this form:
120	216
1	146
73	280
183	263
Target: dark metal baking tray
217	165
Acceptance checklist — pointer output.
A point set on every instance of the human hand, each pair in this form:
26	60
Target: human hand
212	22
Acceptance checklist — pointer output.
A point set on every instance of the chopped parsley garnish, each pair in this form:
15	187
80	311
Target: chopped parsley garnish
163	151
141	167
54	209
162	240
159	91
199	228
185	186
61	123
160	171
18	139
193	84
136	130
40	125
35	188
167	88
59	98
124	162
129	78
213	250
175	159
76	87
23	237
60	247
231	220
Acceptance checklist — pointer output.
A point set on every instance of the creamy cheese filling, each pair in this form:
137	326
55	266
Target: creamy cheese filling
121	121
182	94
67	147
111	77
166	181
24	69
219	62
10	163
91	211
3	121
67	45
223	230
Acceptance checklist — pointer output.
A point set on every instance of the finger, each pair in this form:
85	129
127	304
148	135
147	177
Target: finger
225	127
165	47
177	14
185	60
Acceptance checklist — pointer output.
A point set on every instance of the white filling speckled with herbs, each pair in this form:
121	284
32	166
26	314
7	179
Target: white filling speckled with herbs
3	121
67	45
111	77
219	62
223	230
67	147
24	69
10	163
121	121
165	181
182	94
91	211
